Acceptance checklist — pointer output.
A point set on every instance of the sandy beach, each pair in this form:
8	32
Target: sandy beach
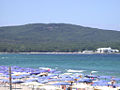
48	79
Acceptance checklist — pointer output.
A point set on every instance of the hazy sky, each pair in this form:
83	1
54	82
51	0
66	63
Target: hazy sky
92	13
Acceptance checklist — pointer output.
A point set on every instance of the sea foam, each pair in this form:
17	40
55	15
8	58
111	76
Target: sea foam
71	70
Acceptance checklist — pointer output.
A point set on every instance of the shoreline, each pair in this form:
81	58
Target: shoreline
52	53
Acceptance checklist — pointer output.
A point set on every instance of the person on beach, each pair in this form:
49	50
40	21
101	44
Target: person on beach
70	87
113	83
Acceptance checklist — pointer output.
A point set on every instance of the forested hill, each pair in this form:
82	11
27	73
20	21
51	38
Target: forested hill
56	37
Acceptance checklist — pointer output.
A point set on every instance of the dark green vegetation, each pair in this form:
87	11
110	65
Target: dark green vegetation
55	37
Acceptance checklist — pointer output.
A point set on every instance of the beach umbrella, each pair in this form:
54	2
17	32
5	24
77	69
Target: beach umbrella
64	76
75	77
34	73
43	71
85	80
67	79
117	85
62	83
31	80
34	76
24	75
101	81
54	80
42	81
50	76
101	84
4	80
116	79
17	81
7	73
91	76
105	77
52	71
41	78
16	77
57	72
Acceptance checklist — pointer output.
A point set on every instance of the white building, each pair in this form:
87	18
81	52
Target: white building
107	50
88	51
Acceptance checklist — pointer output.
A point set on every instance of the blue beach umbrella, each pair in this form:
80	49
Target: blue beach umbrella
85	80
17	82
67	79
117	85
64	76
16	77
62	83
43	71
34	76
7	73
1	71
50	76
31	80
34	73
43	77
103	84
43	81
100	83
91	76
105	77
57	72
75	77
116	79
52	71
54	80
22	76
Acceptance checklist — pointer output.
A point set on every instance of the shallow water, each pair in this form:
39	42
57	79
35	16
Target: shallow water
100	64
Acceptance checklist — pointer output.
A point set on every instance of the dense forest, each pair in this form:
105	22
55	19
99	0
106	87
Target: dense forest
39	37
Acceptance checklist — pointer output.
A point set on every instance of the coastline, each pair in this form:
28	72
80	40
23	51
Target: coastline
53	53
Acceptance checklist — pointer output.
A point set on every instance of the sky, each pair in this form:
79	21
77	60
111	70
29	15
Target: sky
104	14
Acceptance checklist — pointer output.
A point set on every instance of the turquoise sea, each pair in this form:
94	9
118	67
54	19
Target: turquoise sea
100	64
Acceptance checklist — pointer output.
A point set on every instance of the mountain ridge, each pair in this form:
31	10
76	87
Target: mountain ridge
56	37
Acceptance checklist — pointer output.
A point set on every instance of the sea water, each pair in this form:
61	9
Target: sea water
98	64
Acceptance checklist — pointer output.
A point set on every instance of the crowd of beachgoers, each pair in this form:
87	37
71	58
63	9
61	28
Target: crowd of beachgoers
51	79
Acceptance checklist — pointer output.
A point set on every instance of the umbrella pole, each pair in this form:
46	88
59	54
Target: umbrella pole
10	80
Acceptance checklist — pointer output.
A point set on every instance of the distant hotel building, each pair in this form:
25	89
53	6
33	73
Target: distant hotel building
107	50
88	51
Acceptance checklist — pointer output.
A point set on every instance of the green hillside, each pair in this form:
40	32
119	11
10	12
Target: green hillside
56	37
